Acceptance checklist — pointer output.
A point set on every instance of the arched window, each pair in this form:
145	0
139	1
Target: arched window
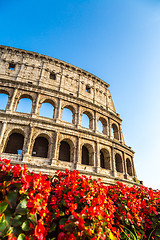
15	143
85	155
64	151
102	125
129	167
3	101
115	131
104	159
46	110
85	120
24	105
118	161
67	115
40	148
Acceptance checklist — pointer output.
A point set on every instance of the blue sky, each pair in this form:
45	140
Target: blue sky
117	40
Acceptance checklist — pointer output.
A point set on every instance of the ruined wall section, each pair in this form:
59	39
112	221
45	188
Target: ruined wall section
45	79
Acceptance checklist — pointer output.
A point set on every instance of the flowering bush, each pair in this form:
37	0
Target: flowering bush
71	206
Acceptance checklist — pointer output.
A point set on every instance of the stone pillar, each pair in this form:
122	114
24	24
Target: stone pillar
42	73
133	168
124	166
95	127
51	150
98	164
77	120
60	84
35	106
12	102
27	145
79	82
58	119
109	128
2	134
55	150
94	157
78	154
114	172
120	136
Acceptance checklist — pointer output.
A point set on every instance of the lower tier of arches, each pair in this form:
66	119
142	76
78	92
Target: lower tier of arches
42	147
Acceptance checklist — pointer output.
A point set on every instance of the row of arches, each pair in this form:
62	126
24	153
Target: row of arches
47	109
15	144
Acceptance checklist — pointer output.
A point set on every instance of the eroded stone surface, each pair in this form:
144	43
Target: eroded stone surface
25	74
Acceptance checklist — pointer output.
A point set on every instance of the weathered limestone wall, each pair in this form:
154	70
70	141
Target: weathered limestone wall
45	79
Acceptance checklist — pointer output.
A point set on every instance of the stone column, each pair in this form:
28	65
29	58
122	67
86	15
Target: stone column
120	137
42	73
55	150
95	157
12	102
2	134
98	164
109	128
133	168
60	84
114	172
124	166
27	145
95	127
35	106
79	82
78	154
77	116
58	118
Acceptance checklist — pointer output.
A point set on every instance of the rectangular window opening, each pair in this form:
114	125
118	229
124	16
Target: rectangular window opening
88	89
53	76
12	66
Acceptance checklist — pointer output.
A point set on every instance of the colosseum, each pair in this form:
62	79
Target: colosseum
46	141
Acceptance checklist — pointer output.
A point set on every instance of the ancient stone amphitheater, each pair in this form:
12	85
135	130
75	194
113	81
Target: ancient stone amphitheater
50	143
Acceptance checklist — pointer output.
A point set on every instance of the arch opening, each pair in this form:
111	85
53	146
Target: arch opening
67	115
24	105
102	125
3	101
105	159
85	155
118	161
115	131
64	151
40	148
46	110
129	167
15	144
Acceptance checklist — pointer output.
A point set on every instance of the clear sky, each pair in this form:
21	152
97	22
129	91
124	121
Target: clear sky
117	40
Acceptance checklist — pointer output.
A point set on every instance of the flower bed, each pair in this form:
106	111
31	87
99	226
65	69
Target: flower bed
71	206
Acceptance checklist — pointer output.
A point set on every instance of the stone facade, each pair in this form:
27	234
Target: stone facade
43	79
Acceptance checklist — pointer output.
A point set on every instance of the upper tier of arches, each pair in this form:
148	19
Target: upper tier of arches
48	108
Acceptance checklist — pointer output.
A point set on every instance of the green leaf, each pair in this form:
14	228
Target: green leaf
3	225
2	218
3	206
61	213
12	198
22	207
17	221
8	216
26	225
21	236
